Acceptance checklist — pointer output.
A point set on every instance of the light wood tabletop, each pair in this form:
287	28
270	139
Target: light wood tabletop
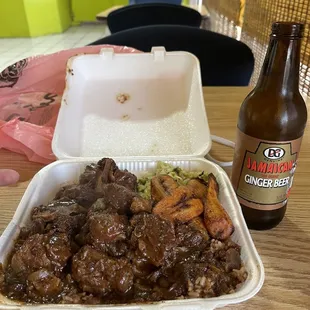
102	16
285	250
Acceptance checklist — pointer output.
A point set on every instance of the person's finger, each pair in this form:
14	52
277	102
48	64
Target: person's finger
8	177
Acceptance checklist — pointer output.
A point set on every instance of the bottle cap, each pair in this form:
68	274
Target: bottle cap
288	29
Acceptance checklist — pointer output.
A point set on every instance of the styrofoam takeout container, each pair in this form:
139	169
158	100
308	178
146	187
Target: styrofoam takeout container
89	127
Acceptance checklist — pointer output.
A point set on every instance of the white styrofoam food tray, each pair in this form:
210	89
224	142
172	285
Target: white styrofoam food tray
46	183
163	113
162	118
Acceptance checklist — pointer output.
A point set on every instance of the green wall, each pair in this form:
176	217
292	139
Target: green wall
65	13
30	18
13	19
47	16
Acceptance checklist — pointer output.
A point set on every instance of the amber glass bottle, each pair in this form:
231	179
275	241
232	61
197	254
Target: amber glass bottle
271	124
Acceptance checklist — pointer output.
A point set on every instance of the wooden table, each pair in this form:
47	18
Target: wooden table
285	250
102	16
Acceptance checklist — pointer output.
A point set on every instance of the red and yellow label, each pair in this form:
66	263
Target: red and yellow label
263	171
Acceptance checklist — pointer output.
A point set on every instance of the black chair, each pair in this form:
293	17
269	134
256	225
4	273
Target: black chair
139	15
223	60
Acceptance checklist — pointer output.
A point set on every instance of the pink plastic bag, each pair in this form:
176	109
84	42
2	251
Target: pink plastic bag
30	96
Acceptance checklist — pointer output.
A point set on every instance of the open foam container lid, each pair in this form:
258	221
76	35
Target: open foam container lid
132	105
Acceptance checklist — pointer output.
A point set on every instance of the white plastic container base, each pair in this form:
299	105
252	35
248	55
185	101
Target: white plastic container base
137	109
46	183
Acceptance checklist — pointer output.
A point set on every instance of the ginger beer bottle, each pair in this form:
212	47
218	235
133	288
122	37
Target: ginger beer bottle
271	124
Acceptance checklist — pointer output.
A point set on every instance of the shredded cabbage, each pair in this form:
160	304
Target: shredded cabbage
179	175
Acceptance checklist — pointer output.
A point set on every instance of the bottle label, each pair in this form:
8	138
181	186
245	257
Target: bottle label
263	171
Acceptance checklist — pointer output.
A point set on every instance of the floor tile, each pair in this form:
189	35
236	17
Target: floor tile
14	49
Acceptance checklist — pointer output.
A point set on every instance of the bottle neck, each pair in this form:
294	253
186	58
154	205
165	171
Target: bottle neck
280	71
